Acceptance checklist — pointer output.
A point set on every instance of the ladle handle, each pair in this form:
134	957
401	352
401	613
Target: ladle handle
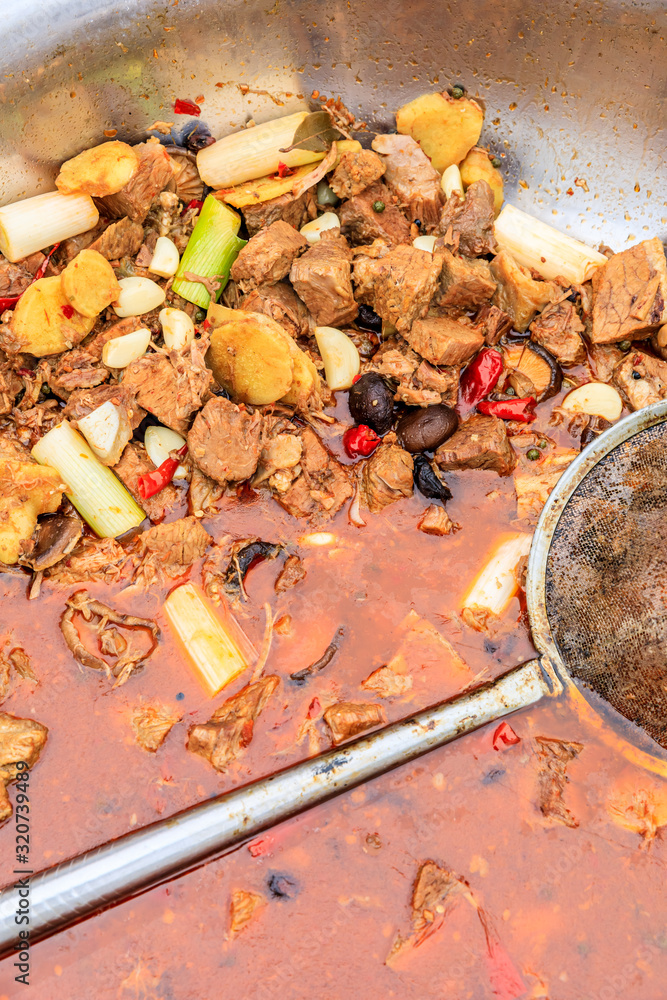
77	888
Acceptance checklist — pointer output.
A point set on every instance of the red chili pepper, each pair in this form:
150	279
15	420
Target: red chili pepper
182	107
152	482
356	378
360	441
284	170
504	737
9	303
67	311
509	409
192	204
480	376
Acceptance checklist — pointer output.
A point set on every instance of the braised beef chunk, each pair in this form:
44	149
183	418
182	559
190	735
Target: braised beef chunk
14	278
430	385
203	493
171	387
443	340
412	178
602	360
641	379
630	294
120	239
281	449
229	731
322	486
470	220
493	324
292	573
356	171
20	740
268	256
553	759
135	199
436	521
519	295
322	280
76	369
361	223
398	286
134	462
479	443
282	304
347	719
225	441
291	210
387	477
558	329
84	401
167	551
465	284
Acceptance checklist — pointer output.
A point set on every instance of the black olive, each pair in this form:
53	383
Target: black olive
425	429
282	886
427	482
371	402
368	320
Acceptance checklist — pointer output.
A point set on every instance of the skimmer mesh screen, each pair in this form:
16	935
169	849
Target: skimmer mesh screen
606	581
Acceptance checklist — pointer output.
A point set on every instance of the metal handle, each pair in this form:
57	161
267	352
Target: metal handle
77	888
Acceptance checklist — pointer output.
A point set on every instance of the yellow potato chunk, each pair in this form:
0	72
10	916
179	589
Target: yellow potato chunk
445	128
26	491
250	357
89	283
478	167
99	171
44	322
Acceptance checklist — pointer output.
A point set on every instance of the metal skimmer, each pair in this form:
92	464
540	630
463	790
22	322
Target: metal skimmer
597	594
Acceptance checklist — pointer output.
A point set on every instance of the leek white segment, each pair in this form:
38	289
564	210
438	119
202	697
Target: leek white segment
119	352
340	356
107	430
209	641
595	398
253	152
451	181
533	243
497	583
424	243
165	258
178	330
314	229
97	494
39	222
159	442
138	296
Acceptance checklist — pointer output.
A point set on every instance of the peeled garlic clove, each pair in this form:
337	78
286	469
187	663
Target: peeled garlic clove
165	258
159	441
178	330
451	181
118	353
138	296
107	430
597	399
340	356
424	243
313	230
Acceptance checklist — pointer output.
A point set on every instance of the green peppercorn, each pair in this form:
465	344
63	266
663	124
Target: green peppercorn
457	92
625	345
200	315
378	206
533	454
542	444
496	161
510	391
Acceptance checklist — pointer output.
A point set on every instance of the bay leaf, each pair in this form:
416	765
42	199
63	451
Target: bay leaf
315	133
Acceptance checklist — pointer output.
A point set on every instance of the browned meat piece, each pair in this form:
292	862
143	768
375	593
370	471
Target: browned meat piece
559	329
400	285
347	719
76	369
112	330
84	401
281	448
387	477
11	385
323	486
322	279
553	758
519	295
641	379
268	256
436	521
362	224
120	239
282	304
229	731
630	294
355	172
134	462
435	890
167	551
243	907
479	443
443	381
465	284
14	278
471	220
291	210
395	359
203	493
412	178
151	723
443	340
94	560
225	441
171	387
292	573
20	740
68	249
602	359
134	200
493	323
386	683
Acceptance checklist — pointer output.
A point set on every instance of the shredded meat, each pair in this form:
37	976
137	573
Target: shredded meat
11	385
493	324
553	758
479	443
135	199
203	493
321	278
434	892
400	285
230	729
355	171
630	294
20	740
347	719
167	551
387	477
120	239
412	178
93	560
14	278
76	369
83	401
225	441
268	256
467	222
362	224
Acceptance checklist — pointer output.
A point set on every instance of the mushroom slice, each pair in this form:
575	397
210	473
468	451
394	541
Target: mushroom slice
536	365
189	185
54	538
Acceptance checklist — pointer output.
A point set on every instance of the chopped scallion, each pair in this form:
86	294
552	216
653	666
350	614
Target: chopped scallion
212	249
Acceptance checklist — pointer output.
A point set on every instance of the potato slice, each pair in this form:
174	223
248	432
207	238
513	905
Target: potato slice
89	283
44	322
99	171
478	167
445	128
250	357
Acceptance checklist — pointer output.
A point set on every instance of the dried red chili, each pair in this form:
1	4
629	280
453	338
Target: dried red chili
67	310
509	409
480	376
504	737
192	204
152	482
183	107
284	170
360	441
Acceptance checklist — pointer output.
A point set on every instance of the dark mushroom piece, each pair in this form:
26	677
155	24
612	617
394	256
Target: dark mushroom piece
532	370
425	429
187	183
428	482
371	402
593	429
54	538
